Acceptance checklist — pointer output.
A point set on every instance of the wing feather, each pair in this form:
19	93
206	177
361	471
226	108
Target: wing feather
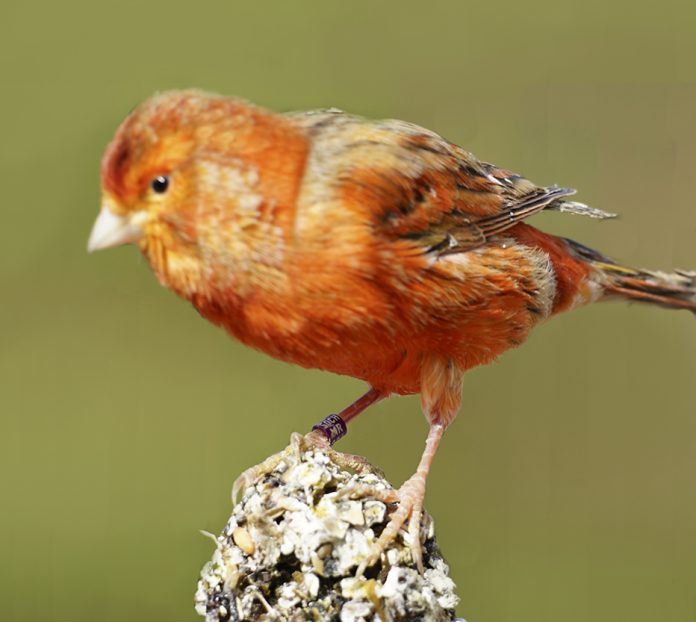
418	187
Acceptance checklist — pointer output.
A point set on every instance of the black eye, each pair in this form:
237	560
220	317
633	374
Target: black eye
160	184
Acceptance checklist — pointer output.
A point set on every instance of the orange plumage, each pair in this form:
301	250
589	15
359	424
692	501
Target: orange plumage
374	249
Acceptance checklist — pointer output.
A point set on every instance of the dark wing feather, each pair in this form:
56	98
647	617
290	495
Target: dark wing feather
474	200
447	201
420	188
520	208
458	232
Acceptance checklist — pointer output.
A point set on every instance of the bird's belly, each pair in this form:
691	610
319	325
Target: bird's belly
360	350
384	361
391	361
462	312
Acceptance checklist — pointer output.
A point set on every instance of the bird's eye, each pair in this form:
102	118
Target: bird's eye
160	184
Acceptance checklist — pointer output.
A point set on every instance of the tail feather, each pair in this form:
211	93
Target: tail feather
673	290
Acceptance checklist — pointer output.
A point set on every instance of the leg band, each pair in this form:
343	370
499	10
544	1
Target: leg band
333	427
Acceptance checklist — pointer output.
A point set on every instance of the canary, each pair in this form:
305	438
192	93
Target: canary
374	249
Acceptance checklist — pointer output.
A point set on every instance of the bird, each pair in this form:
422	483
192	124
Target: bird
370	248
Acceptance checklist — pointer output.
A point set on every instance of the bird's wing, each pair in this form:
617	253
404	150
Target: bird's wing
461	226
417	186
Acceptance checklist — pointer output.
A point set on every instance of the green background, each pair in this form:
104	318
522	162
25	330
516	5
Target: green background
565	491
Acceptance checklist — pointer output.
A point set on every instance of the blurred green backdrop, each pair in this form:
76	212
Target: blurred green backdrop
564	491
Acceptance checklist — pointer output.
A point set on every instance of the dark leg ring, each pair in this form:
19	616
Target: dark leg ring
332	427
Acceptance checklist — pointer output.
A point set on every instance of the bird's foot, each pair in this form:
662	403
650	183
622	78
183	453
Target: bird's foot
252	474
410	509
315	440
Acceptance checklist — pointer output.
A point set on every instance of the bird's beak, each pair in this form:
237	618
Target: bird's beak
113	229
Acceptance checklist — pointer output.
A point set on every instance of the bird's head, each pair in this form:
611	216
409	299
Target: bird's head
145	171
189	177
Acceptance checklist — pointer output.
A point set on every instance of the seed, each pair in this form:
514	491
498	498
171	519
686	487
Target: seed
242	538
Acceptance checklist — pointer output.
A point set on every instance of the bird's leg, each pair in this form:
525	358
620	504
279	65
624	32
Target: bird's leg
410	498
441	389
322	437
334	427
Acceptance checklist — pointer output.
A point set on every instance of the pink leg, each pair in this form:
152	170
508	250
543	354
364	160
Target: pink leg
410	497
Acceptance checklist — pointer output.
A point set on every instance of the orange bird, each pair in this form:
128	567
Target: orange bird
374	249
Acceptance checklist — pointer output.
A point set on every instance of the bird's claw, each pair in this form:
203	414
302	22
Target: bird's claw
298	444
410	499
252	474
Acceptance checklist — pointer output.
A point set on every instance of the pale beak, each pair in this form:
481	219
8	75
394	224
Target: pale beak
113	230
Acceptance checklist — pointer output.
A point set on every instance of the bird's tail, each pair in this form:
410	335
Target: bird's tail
673	290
